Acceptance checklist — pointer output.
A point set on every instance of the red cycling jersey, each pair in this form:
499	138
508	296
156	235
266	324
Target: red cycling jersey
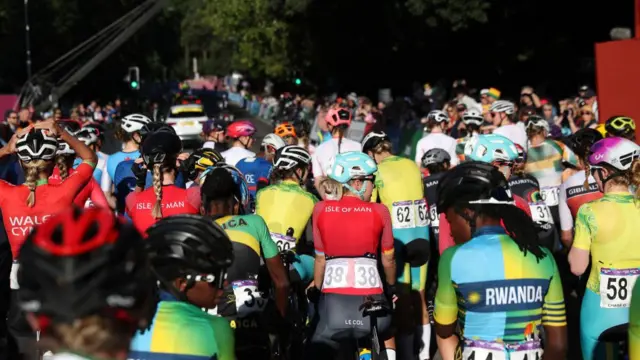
50	199
175	201
350	227
91	191
445	240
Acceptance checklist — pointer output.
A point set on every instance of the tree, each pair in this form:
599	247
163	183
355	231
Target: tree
457	14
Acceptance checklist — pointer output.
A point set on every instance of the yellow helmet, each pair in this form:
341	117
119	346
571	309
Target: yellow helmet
602	130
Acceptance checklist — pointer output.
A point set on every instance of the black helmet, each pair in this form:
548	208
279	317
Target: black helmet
582	140
201	159
72	126
185	246
372	140
154	127
473	182
85	262
160	146
36	145
622	126
291	156
435	156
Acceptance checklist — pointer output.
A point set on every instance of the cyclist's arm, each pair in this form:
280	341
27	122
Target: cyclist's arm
554	318
579	254
566	219
225	341
318	176
97	196
386	245
275	266
318	268
87	155
446	307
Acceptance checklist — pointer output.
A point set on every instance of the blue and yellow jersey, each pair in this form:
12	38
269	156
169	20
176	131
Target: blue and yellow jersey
496	292
285	205
181	331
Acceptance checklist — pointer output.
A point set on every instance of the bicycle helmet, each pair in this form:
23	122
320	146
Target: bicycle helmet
290	157
538	122
437	116
64	149
338	116
71	126
472	117
473	182
285	129
36	145
435	156
583	139
134	122
622	126
601	128
490	148
201	159
98	127
522	154
616	152
240	128
242	195
192	247
213	125
372	140
85	262
155	127
273	141
350	165
88	135
160	146
504	106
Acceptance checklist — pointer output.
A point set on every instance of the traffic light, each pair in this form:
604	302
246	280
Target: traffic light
298	81
134	78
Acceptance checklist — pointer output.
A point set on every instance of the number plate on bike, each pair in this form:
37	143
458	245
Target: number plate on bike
285	243
616	286
352	273
248	299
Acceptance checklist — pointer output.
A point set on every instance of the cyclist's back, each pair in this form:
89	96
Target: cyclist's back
573	194
256	171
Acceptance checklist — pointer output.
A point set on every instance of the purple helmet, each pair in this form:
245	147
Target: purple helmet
616	152
213	125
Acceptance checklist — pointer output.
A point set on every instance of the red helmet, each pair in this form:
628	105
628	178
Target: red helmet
81	263
240	128
338	116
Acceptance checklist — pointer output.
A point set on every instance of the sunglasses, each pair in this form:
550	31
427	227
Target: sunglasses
503	163
213	280
593	169
586	113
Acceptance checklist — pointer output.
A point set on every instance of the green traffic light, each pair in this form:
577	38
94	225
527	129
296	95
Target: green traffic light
134	84
298	81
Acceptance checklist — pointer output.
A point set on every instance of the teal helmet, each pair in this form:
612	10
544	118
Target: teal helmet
352	164
490	148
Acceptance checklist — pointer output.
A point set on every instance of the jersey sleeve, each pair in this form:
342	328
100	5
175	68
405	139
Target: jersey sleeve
78	180
269	248
193	197
553	310
568	156
316	167
97	196
419	153
445	240
386	241
585	226
566	219
317	239
105	181
446	301
225	340
130	203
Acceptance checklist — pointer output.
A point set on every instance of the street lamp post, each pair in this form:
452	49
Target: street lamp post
27	43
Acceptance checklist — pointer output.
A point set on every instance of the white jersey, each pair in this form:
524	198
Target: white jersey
573	191
513	132
437	141
326	151
235	154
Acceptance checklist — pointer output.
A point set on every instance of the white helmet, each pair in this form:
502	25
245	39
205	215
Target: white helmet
64	149
88	135
134	122
290	156
273	140
438	116
504	106
472	117
36	145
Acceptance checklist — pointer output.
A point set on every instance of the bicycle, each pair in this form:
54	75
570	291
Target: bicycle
374	309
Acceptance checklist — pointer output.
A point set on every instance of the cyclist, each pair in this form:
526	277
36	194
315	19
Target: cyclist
399	187
634	325
241	134
348	231
580	187
286	208
338	121
606	229
472	120
90	316
502	112
92	134
190	256
621	126
436	162
224	195
287	132
198	161
437	122
164	198
213	134
497	287
546	159
257	169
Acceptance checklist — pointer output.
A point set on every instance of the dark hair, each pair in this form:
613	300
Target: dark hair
122	135
218	186
438	168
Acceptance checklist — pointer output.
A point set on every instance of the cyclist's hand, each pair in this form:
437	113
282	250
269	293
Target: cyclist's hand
392	294
11	145
49	125
140	172
313	294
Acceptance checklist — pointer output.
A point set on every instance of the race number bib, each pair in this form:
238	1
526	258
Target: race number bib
248	299
540	213
403	215
616	286
353	273
422	218
550	195
527	351
483	350
14	275
433	216
285	243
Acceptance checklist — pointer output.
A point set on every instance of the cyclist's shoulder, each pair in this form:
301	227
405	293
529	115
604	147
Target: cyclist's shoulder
241	222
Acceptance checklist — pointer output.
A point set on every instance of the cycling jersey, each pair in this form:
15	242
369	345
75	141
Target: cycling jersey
91	195
100	167
607	228
19	218
399	187
347	230
545	162
124	183
431	194
181	331
256	171
500	296
175	201
251	242
437	141
117	158
573	195
513	132
235	154
326	151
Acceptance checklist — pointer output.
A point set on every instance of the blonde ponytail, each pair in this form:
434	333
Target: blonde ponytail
587	170
32	170
156	212
61	163
331	188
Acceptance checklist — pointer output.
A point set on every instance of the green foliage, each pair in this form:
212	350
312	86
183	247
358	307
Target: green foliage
457	14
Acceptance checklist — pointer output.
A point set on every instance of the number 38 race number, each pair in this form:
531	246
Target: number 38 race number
616	286
354	273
